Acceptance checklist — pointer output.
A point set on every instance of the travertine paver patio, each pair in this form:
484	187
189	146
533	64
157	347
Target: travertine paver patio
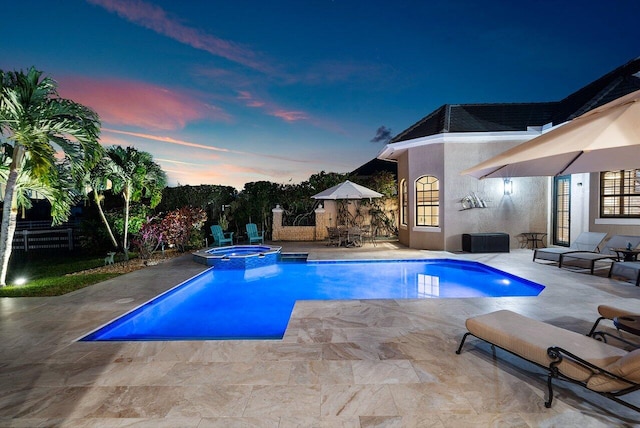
375	363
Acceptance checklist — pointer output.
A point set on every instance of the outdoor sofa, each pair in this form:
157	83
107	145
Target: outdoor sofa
574	357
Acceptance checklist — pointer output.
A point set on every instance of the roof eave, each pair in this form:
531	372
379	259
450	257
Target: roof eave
392	151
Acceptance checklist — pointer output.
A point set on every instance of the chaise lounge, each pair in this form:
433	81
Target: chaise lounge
607	370
607	312
586	241
607	253
627	270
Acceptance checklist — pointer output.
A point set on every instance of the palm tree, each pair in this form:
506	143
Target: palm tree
61	196
35	120
135	175
98	183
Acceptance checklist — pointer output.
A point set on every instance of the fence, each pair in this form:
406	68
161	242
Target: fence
51	239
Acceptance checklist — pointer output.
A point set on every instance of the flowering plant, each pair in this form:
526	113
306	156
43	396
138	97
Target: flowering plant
149	238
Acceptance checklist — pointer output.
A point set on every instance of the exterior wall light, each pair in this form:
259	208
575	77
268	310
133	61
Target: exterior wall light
508	186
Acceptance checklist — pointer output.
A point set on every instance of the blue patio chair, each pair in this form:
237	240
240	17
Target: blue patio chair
221	238
253	235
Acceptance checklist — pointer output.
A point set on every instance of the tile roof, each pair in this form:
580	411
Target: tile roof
519	116
376	165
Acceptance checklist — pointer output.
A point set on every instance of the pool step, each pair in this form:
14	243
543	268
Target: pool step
293	257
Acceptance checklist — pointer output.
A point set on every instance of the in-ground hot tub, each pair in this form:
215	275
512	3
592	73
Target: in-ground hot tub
238	256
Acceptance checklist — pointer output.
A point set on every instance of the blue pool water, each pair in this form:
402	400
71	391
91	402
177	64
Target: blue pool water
257	303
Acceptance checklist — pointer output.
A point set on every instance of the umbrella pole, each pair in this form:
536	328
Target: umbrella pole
570	163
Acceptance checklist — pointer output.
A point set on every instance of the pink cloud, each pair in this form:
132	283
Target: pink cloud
290	116
175	141
131	103
155	18
270	108
167	140
222	173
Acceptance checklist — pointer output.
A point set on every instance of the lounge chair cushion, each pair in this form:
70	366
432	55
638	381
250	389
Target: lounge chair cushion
530	339
611	312
627	367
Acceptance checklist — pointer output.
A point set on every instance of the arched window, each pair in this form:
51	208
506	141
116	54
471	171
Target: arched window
404	202
428	201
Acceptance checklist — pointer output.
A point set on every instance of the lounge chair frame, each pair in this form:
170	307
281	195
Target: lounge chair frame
586	241
630	265
557	353
608	252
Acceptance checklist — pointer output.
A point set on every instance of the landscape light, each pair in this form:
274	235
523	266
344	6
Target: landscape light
20	281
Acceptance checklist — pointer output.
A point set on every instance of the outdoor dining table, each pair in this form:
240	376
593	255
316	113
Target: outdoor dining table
350	236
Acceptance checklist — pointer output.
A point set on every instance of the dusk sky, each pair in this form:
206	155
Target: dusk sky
229	92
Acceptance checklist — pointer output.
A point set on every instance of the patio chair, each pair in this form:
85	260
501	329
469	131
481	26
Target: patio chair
253	235
627	270
221	238
609	313
369	234
595	365
607	252
586	241
334	235
354	237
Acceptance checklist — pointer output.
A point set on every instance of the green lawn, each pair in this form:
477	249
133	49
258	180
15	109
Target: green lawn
46	274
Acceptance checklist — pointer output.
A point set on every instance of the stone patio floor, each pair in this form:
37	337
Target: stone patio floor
359	363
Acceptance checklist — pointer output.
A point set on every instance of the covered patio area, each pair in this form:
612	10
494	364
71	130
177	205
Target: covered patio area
357	363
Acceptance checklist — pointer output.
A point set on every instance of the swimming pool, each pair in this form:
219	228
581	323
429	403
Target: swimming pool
257	303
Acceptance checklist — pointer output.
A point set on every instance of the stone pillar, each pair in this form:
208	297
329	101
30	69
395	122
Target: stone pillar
322	221
276	227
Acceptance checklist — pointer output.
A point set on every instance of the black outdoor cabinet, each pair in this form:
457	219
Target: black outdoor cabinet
485	242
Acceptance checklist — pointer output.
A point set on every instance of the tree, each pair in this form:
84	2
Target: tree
134	175
97	184
255	202
37	123
61	196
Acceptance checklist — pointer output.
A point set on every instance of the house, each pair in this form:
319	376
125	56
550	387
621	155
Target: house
437	205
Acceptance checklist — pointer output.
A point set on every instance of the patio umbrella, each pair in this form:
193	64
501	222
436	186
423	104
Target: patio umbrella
347	190
606	138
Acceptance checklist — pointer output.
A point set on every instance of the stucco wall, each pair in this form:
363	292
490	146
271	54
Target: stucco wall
525	210
426	160
403	173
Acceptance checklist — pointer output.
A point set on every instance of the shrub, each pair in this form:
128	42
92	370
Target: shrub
150	237
182	228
